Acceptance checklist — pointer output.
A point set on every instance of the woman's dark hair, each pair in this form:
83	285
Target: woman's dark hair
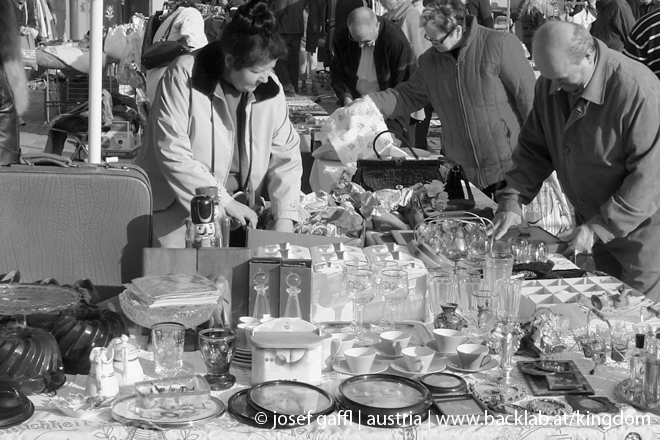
251	38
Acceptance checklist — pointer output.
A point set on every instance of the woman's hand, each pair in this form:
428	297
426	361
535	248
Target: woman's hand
241	214
283	225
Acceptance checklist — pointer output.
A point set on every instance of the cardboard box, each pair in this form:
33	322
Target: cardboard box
303	268
120	141
271	267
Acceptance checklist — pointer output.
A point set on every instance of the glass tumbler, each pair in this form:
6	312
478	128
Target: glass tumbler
498	267
509	292
217	346
168	339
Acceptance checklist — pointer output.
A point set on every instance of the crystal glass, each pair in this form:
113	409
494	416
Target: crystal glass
467	283
217	346
348	266
168	338
509	292
519	250
538	252
394	284
479	244
498	267
292	309
507	341
360	289
592	344
378	266
484	303
441	289
261	304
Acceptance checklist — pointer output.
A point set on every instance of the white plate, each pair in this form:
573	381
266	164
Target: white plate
342	367
436	365
455	364
125	411
380	349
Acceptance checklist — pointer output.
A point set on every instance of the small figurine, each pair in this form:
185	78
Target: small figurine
201	230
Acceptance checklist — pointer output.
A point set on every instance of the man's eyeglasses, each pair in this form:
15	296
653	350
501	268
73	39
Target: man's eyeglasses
438	41
363	43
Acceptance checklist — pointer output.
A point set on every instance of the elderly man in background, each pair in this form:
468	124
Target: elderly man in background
642	7
371	54
480	84
613	23
595	121
643	43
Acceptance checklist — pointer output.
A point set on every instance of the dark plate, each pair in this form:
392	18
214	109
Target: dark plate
18	418
239	408
284	397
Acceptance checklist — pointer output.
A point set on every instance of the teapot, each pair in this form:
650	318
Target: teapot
101	381
125	361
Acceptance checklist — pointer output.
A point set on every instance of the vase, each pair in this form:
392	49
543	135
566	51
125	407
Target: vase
449	318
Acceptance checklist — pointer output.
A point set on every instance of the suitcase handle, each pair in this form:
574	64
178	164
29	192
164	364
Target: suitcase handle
47	159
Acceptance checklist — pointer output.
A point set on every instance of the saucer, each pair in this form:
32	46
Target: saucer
342	367
436	366
380	350
454	362
432	346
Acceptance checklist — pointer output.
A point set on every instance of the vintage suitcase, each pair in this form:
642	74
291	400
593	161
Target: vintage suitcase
74	220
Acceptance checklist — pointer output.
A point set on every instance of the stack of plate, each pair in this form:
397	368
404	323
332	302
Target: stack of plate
242	358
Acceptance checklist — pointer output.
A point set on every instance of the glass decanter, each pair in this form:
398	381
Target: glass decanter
261	306
293	304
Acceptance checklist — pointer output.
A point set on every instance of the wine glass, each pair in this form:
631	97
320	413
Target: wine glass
394	284
349	266
484	308
378	266
360	289
509	292
479	244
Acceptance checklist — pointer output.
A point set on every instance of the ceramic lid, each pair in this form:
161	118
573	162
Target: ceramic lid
286	340
128	342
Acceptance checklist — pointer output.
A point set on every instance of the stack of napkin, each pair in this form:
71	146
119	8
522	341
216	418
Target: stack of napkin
173	290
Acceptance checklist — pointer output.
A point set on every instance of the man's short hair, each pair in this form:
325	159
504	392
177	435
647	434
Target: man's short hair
582	42
444	15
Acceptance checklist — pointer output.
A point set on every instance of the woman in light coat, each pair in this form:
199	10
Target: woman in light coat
220	119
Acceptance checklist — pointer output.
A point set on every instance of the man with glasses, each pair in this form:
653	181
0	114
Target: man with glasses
480	84
371	54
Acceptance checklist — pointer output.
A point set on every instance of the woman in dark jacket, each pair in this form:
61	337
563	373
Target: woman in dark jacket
13	85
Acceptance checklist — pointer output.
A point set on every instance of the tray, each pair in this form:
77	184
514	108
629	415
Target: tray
621	393
538	384
123	412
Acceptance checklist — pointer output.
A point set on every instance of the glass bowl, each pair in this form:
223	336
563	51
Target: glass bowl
188	316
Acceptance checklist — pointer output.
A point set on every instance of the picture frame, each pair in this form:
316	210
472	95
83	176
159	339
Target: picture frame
563	381
591	404
538	383
460	405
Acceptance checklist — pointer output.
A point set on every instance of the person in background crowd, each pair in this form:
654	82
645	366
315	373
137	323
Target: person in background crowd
371	55
14	98
26	18
479	83
594	121
307	60
482	11
187	23
613	23
404	15
643	43
583	15
290	25
533	14
220	119
642	7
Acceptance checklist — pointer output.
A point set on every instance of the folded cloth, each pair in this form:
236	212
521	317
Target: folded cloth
174	290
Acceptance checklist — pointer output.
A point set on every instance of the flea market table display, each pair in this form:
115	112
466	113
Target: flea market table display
468	377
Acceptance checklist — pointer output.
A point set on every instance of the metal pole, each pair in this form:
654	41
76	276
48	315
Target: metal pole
95	72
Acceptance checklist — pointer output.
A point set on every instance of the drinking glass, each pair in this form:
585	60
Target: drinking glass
360	289
394	284
168	338
498	267
468	282
348	266
217	346
479	244
509	294
484	303
538	252
518	246
378	266
441	289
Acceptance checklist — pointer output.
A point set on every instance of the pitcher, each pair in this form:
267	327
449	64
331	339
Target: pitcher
126	362
101	381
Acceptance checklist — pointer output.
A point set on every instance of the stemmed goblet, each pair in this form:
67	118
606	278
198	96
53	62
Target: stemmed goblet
394	284
360	289
348	266
378	266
